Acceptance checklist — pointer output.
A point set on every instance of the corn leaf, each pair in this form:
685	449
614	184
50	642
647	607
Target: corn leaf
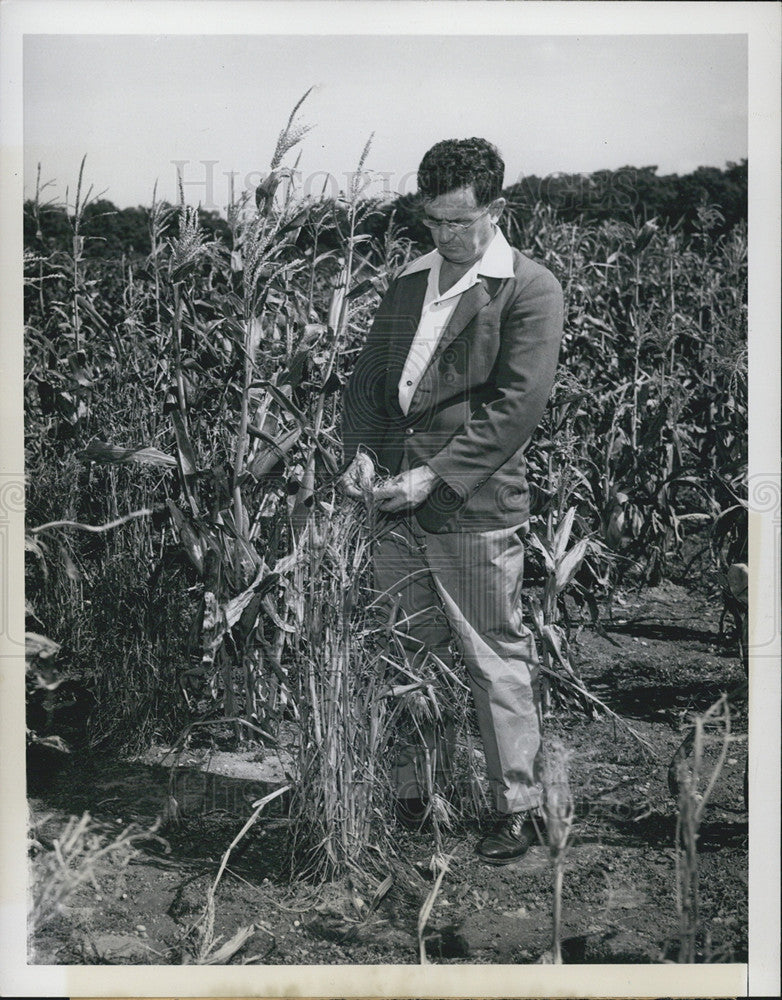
184	446
90	310
562	536
738	581
537	612
31	545
281	399
338	292
568	567
190	539
274	451
541	546
101	451
72	571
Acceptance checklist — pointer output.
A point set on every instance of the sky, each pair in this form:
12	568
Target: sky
138	104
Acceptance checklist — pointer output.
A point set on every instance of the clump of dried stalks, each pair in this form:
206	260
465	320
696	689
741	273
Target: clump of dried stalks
356	695
339	648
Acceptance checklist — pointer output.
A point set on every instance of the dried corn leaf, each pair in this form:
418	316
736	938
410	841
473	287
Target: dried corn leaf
101	451
221	955
36	645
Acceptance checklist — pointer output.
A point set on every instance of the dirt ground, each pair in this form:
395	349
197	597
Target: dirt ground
659	660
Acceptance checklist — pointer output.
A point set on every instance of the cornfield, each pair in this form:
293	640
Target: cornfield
200	386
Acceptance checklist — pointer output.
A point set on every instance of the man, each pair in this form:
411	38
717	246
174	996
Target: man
444	397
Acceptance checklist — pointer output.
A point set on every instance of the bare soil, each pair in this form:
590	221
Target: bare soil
660	659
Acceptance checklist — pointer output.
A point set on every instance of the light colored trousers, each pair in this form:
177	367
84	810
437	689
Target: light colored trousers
467	585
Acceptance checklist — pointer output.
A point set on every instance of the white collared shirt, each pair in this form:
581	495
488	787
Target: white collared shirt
496	262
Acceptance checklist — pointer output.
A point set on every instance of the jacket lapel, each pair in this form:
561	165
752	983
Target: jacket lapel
412	292
467	308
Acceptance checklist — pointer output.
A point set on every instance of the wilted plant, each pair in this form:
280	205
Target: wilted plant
558	811
72	861
696	783
223	544
440	864
208	949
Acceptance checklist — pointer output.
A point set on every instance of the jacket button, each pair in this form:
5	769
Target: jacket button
409	430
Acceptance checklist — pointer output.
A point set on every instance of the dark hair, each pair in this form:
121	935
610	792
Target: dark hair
455	163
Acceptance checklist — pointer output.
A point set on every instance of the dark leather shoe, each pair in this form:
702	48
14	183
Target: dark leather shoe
411	813
511	838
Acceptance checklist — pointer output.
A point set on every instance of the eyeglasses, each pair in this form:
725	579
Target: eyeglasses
451	227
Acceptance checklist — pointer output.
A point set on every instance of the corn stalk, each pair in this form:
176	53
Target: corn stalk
696	783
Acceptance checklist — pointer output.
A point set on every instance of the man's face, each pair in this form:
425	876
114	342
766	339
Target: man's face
462	246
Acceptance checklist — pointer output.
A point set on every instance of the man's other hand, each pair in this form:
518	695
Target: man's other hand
359	476
408	489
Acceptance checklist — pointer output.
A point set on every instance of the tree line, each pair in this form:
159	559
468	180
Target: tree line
625	195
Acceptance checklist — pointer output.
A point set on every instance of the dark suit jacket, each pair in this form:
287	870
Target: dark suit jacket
478	403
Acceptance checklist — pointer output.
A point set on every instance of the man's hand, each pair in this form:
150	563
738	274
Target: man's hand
358	478
408	489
